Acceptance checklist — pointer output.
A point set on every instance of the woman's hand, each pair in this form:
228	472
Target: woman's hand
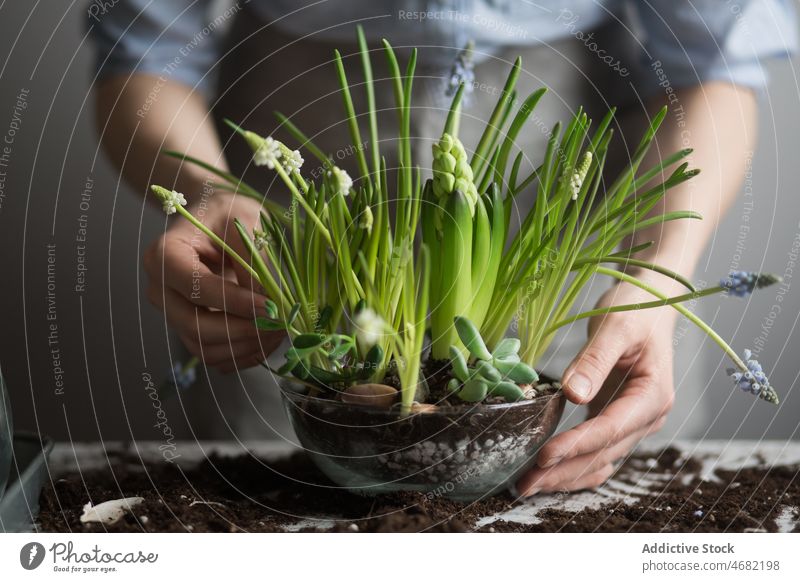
207	298
624	374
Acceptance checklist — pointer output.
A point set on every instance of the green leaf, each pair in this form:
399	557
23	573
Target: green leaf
324	318
471	338
287	367
293	314
488	371
508	390
272	309
265	324
301	370
459	364
628	261
518	371
306	344
506	348
327	377
340	350
372	362
306	341
455	284
474	390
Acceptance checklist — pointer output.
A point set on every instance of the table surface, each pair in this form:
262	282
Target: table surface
711	454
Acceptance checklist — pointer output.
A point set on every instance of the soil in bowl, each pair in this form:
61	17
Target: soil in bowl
463	451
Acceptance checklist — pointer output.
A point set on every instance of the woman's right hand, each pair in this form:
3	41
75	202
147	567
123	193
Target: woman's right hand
208	299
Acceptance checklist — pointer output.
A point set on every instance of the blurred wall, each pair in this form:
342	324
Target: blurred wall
78	339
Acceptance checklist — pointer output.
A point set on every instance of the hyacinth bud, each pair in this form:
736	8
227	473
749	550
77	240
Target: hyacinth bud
452	171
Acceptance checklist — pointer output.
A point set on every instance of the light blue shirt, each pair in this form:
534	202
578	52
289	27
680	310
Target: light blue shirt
694	42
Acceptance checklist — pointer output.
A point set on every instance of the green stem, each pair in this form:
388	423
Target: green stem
682	310
225	246
302	201
633	307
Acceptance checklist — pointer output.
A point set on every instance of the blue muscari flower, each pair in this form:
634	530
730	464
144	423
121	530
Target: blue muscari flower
183	375
754	380
462	71
742	283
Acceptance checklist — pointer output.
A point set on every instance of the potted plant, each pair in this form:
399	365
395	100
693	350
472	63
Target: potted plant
397	295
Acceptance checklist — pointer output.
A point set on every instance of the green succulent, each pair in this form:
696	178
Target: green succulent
497	373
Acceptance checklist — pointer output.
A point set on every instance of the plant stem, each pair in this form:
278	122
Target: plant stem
302	201
682	310
634	307
225	246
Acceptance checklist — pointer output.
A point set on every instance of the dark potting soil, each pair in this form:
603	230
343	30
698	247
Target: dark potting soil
234	494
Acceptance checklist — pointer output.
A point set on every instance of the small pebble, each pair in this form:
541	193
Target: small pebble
352	527
144	519
698	513
651	463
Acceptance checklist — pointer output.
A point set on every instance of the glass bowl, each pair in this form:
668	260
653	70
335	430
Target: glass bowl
460	452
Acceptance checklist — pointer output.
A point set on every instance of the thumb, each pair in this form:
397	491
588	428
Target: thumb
586	374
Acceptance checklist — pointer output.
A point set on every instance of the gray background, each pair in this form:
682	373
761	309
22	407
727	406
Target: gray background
109	336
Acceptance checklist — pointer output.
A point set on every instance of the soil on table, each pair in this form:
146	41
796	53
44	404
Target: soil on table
233	494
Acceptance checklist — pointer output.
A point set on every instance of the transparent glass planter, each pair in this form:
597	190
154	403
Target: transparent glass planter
462	452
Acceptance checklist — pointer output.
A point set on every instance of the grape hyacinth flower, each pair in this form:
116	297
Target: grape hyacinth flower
367	219
742	283
266	151
341	180
185	374
369	327
170	199
260	239
291	159
753	379
181	377
579	175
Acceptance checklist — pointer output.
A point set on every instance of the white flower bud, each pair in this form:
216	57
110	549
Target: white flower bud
170	199
291	159
369	327
266	151
342	181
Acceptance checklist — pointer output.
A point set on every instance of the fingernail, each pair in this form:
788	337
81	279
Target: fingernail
551	461
579	384
532	491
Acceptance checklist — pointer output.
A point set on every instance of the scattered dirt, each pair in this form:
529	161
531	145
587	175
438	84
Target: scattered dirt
225	494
